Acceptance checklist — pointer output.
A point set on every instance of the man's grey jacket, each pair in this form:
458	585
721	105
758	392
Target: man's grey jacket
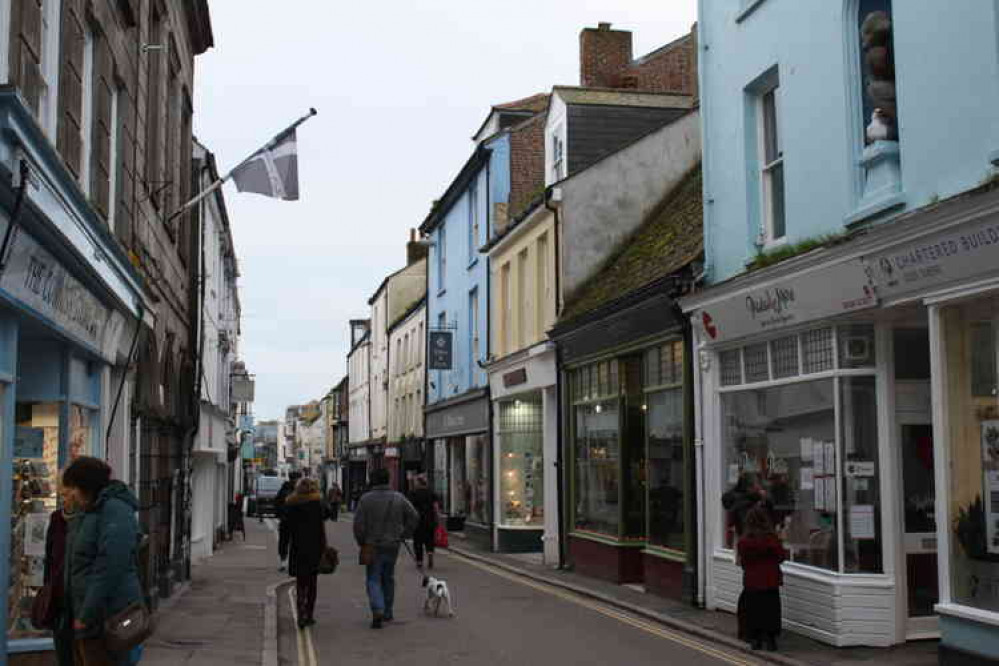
384	518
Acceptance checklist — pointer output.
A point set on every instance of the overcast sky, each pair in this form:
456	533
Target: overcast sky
400	87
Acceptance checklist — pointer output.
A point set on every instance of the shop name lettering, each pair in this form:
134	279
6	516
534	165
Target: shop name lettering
65	298
918	262
772	303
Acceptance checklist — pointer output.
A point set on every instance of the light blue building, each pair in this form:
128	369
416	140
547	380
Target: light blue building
849	323
458	409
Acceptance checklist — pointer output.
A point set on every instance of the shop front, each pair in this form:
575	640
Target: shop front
70	310
857	394
525	423
462	463
629	446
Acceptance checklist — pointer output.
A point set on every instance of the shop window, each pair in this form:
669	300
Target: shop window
597	445
779	443
36	469
861	477
521	441
478	460
633	460
856	346
664	423
731	367
971	349
756	361
817	349
784	357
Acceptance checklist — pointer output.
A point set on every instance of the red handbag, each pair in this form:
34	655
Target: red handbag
440	537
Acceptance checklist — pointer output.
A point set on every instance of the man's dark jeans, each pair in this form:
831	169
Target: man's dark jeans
381	581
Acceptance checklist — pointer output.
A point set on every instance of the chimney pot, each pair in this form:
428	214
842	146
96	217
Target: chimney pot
603	26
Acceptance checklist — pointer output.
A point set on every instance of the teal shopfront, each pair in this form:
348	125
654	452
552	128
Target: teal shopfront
71	310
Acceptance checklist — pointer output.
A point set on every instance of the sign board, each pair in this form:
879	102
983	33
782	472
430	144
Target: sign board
441	350
515	378
242	388
794	300
37	279
461	419
936	260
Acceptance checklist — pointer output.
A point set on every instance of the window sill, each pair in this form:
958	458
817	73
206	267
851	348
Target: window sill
970	613
749	6
664	553
441	292
874	208
473	263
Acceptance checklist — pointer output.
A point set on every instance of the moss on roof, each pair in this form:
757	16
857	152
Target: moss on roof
670	238
535	103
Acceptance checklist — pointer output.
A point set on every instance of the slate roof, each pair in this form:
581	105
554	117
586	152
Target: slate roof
534	103
616	97
669	239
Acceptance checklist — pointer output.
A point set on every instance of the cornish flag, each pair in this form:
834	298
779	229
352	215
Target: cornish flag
272	170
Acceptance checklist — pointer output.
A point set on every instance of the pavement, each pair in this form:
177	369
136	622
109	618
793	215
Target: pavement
510	610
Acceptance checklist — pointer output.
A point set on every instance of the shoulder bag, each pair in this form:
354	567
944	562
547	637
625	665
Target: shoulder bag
330	558
130	626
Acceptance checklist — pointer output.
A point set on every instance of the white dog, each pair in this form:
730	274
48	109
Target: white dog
437	596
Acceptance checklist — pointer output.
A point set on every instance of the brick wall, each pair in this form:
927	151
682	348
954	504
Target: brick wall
527	163
605	61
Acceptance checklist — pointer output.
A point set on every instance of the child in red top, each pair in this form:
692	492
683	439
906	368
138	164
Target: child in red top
760	553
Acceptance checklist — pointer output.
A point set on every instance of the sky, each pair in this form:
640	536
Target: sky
400	87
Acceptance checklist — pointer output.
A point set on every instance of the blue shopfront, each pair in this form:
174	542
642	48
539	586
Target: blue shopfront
71	308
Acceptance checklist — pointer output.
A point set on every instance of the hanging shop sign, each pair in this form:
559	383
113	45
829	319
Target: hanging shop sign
798	299
35	278
242	388
936	260
441	350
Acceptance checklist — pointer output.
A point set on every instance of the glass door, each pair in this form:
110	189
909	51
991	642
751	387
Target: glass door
914	431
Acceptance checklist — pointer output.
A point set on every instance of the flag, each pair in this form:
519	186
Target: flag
272	170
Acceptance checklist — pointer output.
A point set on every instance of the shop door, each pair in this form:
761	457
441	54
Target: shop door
914	430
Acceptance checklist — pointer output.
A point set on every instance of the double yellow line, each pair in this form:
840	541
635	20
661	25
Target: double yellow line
645	625
307	655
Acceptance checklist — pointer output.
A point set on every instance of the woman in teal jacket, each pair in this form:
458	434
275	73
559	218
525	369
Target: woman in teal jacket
101	573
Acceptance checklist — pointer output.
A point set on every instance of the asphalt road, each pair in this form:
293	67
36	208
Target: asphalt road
500	619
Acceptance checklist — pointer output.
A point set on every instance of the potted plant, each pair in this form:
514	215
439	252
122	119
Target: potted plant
969	527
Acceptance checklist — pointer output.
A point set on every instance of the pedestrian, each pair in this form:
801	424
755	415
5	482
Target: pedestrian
427	504
333	498
743	497
101	567
62	522
307	535
286	489
760	554
355	496
383	519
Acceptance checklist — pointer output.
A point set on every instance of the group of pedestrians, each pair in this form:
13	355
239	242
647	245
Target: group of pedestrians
383	520
91	565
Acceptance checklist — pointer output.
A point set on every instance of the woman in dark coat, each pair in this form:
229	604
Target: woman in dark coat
62	523
760	554
304	515
426	504
101	573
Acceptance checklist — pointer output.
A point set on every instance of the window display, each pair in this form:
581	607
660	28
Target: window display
521	461
971	342
477	478
597	448
36	469
664	421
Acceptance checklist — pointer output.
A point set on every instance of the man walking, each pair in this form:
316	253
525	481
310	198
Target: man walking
334	496
427	504
382	520
284	535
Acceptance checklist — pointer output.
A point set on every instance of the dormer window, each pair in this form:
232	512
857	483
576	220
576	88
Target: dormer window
558	155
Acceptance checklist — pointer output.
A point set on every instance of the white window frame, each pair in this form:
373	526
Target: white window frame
770	164
87	117
558	154
473	223
48	106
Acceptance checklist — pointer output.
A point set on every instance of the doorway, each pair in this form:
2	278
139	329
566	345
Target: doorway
914	434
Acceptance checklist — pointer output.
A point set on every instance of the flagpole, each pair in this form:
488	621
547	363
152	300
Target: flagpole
221	181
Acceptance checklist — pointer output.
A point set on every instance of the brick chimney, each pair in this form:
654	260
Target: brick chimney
603	53
415	250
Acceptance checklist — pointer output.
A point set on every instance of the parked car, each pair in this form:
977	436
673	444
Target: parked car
266	489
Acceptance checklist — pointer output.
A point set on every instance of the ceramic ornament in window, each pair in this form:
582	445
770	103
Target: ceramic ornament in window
879	66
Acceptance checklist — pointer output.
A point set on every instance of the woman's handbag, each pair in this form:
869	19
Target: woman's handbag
128	627
366	555
44	608
329	560
440	536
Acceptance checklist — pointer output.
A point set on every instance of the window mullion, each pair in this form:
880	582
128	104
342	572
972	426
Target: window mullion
840	536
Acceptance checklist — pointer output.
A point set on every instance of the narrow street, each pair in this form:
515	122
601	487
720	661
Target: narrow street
500	619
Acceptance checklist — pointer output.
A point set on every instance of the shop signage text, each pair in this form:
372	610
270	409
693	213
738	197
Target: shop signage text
936	261
34	277
826	292
515	378
441	344
459	419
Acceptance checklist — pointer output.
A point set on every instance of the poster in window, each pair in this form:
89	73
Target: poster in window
35	528
819	458
990	466
820	493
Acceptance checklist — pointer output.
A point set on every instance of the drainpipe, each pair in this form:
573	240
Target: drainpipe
560	478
